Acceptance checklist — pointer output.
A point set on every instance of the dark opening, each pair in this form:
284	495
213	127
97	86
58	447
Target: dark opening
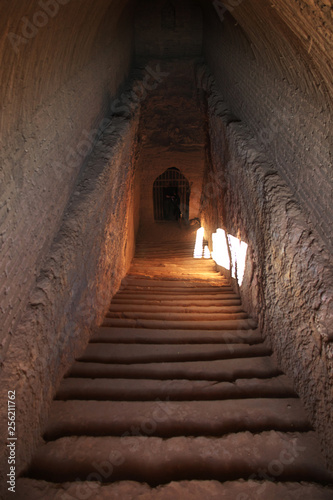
171	196
168	20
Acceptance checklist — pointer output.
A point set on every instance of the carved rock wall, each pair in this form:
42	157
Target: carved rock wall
289	274
56	86
86	263
272	66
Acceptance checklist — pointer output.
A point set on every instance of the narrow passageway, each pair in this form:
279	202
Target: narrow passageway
176	396
121	114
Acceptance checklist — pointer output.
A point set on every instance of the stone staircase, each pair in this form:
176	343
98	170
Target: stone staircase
176	397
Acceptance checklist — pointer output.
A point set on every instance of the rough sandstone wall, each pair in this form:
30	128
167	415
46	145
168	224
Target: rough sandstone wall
273	66
60	262
271	165
88	258
56	83
289	273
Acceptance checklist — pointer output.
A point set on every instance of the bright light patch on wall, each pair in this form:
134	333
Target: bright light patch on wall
241	261
238	254
198	249
233	244
206	252
220	249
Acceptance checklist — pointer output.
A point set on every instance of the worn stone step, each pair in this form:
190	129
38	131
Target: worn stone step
168	419
290	456
151	285
214	289
221	370
260	489
188	267
175	309
124	353
168	250
164	258
167	255
168	271
155	336
198	277
190	263
175	305
179	260
181	284
190	291
177	271
164	324
207	298
178	282
172	390
179	316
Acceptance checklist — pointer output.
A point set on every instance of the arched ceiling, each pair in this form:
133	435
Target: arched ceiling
293	35
296	36
36	61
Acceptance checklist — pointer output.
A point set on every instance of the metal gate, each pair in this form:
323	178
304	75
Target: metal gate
171	196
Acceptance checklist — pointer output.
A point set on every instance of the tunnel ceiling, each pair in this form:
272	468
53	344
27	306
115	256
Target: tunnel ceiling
35	62
293	35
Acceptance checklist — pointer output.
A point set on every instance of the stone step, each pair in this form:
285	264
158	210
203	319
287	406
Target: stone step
197	277
176	386
227	324
176	260
166	254
232	314
175	309
179	336
190	291
227	370
187	268
259	489
168	419
175	298
169	270
127	353
174	282
290	456
172	390
170	305
168	258
217	280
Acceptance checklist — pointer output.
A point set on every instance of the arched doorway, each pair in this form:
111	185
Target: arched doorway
171	196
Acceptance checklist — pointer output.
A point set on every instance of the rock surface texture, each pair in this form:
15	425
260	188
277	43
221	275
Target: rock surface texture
87	261
176	396
288	278
252	146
